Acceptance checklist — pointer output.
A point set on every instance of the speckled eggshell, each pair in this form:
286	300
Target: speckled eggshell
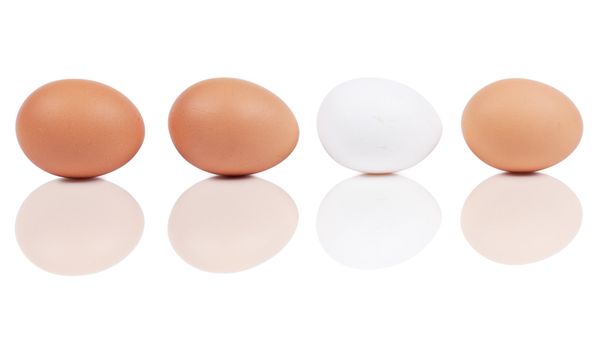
232	127
79	128
521	125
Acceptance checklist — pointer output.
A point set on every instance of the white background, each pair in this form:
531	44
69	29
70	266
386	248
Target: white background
447	296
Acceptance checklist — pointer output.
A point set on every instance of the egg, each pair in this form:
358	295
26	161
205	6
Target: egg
521	125
79	128
377	125
232	127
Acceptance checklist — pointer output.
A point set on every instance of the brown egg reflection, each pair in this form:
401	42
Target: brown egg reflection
231	224
70	227
520	219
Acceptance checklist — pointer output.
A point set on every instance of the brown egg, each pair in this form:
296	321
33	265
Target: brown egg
232	127
79	128
521	125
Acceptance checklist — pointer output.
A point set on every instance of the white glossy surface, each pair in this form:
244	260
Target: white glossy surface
377	126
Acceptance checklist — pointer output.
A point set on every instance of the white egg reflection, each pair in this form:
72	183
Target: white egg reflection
372	221
71	227
520	219
231	224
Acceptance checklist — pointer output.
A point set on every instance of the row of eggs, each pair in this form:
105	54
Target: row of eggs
81	128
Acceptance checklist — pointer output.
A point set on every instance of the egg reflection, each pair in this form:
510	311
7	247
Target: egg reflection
520	219
231	224
372	221
72	227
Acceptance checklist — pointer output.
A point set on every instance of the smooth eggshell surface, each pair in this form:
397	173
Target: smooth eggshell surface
232	127
521	125
377	126
79	128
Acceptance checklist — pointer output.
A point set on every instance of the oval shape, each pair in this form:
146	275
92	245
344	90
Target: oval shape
232	127
520	219
370	222
78	227
79	128
521	125
377	125
231	224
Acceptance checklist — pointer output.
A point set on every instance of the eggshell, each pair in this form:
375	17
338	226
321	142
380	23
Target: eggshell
377	125
79	128
521	125
232	127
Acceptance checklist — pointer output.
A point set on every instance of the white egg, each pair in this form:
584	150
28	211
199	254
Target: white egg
377	125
